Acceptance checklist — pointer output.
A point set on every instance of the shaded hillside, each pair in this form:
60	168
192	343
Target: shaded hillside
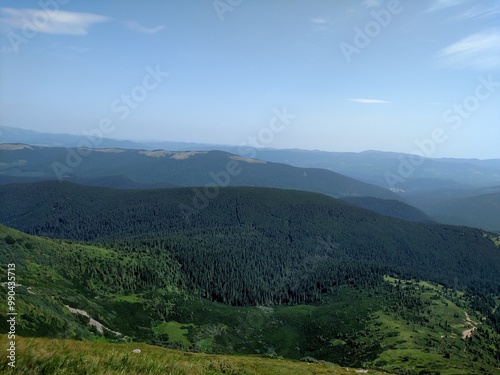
481	211
162	168
297	244
479	208
391	208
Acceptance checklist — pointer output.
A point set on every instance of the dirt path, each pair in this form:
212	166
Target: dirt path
468	332
98	325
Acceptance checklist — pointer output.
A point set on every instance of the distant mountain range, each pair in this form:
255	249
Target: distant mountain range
386	169
434	187
209	170
17	135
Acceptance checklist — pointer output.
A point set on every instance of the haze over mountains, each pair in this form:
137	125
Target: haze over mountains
375	167
434	186
171	168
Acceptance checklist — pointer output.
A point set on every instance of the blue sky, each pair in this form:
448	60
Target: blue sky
408	76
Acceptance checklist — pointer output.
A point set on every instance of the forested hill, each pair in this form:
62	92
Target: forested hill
257	245
160	168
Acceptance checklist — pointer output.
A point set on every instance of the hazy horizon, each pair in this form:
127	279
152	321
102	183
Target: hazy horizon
350	76
152	141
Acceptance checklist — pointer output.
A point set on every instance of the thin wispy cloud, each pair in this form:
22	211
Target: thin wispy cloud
50	22
322	25
480	51
372	3
479	13
368	101
134	26
443	4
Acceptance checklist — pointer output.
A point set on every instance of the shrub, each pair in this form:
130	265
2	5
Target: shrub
10	240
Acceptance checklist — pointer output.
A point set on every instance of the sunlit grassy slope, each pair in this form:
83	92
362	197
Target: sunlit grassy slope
48	356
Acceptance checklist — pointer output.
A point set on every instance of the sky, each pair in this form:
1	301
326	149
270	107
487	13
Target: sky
412	76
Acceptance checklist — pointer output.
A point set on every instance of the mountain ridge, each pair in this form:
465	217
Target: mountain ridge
433	185
161	168
370	166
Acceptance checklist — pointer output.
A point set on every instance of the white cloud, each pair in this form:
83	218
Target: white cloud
134	26
369	101
321	25
372	3
443	4
480	50
49	21
319	20
479	13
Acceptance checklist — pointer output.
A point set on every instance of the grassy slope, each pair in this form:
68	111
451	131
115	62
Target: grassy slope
44	289
438	346
46	356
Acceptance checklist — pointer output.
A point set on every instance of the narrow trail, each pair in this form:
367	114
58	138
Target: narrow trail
98	325
468	332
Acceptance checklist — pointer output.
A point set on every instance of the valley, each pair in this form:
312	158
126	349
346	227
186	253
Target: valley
332	288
